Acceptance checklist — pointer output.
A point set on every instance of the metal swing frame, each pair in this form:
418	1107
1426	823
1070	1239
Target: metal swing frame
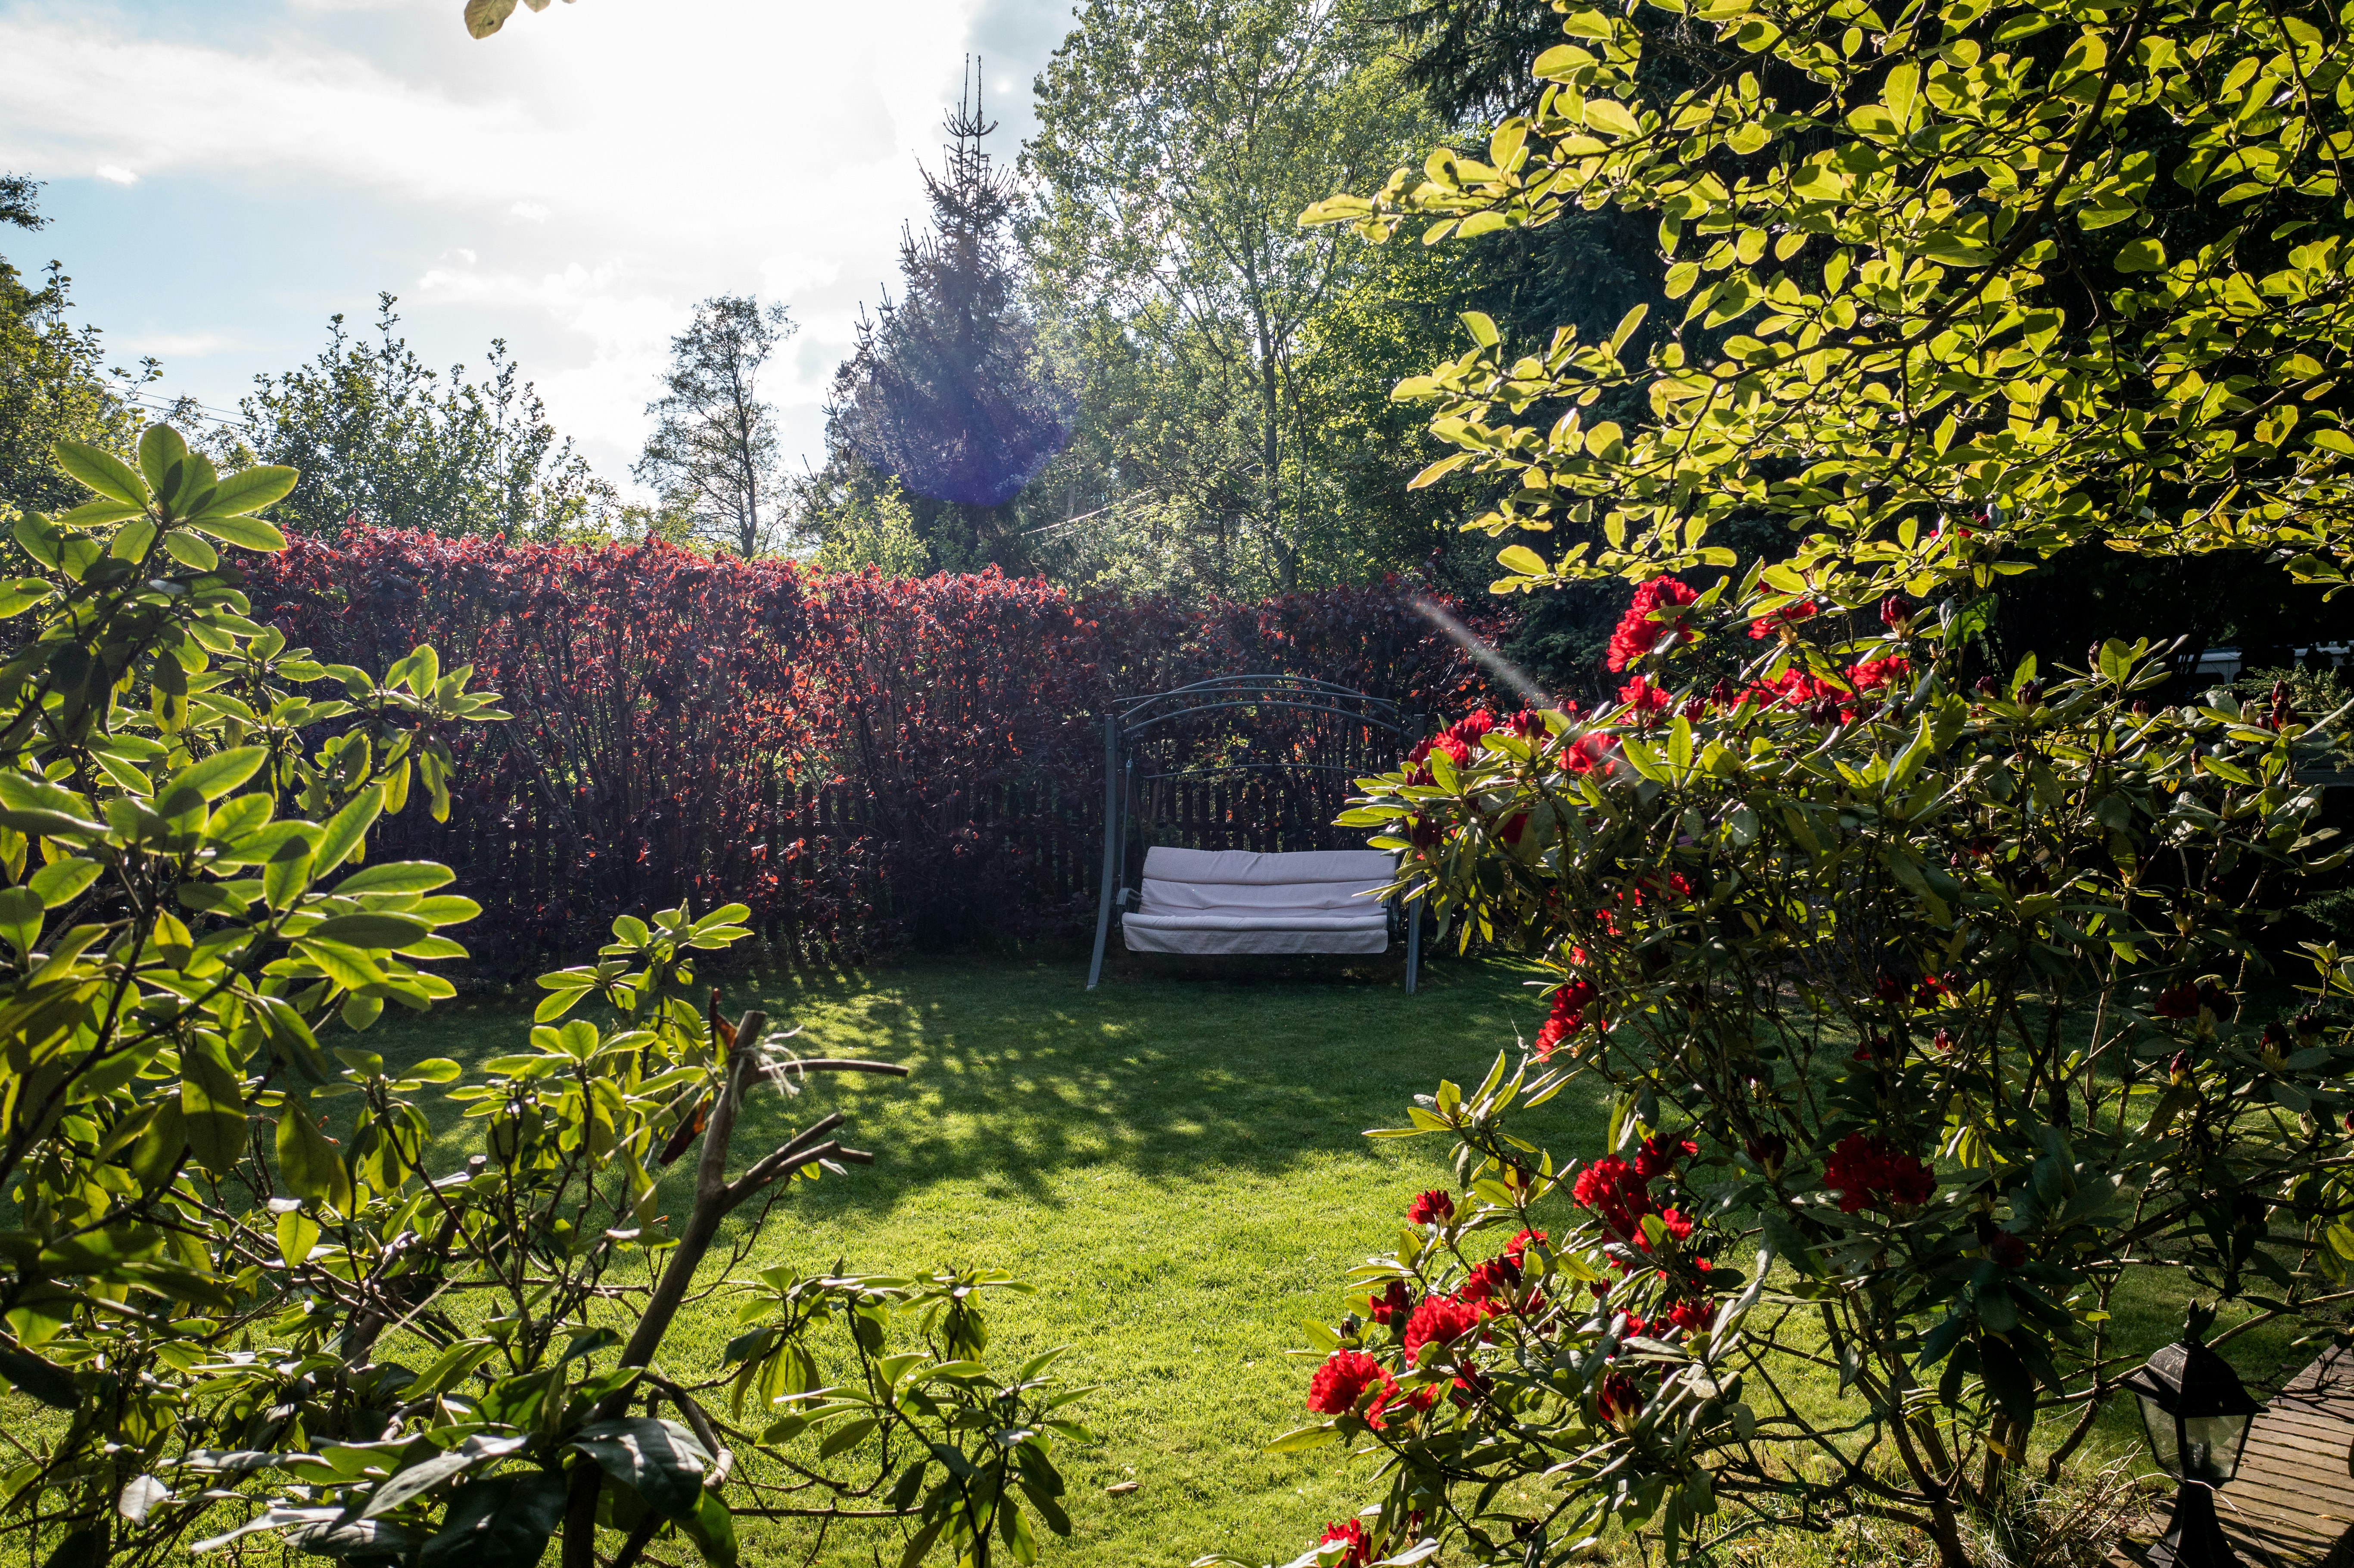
1133	718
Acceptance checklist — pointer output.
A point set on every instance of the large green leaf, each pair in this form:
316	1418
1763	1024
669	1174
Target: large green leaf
248	491
212	1103
659	1460
498	1522
103	472
307	1161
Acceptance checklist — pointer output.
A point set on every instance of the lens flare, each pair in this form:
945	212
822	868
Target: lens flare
1523	684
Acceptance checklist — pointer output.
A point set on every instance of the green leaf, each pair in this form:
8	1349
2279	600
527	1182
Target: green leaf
370	930
2141	256
252	533
209	779
212	1103
20	919
397	876
103	472
62	881
659	1460
713	1529
499	1522
307	1161
346	829
29	1374
250	490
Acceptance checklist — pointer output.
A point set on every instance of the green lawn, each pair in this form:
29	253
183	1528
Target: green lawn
1176	1165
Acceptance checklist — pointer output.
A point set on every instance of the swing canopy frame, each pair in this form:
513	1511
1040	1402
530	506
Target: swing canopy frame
1247	763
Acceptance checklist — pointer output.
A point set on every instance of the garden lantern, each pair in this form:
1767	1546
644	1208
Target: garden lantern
2196	1415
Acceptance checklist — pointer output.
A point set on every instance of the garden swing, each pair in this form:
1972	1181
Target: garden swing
1228	787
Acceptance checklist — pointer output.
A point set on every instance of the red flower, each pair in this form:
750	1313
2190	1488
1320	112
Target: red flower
1343	1380
1932	990
1679	1227
1874	674
1567	1017
1528	724
1472	727
1894	616
1651	617
1869	1172
1439	1321
1788	615
2006	1249
1816	698
1434	1207
1392	1305
1619	1397
1360	1546
1615	1195
2182	1002
1659	1155
1693	1317
1419	1400
1642	698
1490	1286
1517	1251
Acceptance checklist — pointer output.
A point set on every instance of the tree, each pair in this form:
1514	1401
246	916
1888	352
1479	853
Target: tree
251	1326
1165	236
946	391
53	380
386	440
1923	987
712	454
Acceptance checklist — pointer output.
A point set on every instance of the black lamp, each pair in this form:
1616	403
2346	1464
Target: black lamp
2196	1415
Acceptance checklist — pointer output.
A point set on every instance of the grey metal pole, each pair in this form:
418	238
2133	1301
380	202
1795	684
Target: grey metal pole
1111	844
1413	942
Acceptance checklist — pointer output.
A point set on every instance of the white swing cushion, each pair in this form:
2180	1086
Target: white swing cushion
1236	901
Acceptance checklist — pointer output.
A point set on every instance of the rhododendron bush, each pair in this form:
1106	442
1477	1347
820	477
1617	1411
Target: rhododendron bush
1927	990
862	761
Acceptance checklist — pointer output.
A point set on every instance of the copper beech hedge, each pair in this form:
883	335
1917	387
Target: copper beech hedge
866	762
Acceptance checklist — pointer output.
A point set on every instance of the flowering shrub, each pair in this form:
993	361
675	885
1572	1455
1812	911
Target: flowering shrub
1957	1018
860	760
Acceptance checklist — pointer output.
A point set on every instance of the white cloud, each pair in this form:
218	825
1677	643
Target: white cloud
174	344
574	184
115	173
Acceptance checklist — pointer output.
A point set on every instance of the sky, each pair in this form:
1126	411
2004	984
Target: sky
224	176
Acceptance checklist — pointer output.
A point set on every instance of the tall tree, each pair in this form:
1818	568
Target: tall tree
712	454
945	390
1167	231
53	383
382	438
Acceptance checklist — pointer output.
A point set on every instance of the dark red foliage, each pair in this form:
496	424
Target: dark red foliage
867	762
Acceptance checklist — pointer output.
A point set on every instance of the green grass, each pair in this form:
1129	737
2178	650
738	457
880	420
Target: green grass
1176	1165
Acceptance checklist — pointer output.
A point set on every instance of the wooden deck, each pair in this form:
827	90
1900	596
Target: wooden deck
2292	1504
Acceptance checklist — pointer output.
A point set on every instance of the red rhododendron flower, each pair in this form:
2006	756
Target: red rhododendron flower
1788	615
1418	1401
1489	1286
1528	724
1439	1321
1874	674
2182	1002
1816	698
2006	1249
1693	1317
1651	617
1586	754
1869	1172
1619	1398
1343	1380
1392	1305
1567	1017
1642	698
1471	726
1434	1207
1615	1195
1360	1546
1518	1249
1659	1155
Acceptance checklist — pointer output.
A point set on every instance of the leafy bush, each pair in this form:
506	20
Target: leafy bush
864	762
1922	990
249	1326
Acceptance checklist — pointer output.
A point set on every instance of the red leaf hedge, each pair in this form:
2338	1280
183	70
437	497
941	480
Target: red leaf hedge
867	762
